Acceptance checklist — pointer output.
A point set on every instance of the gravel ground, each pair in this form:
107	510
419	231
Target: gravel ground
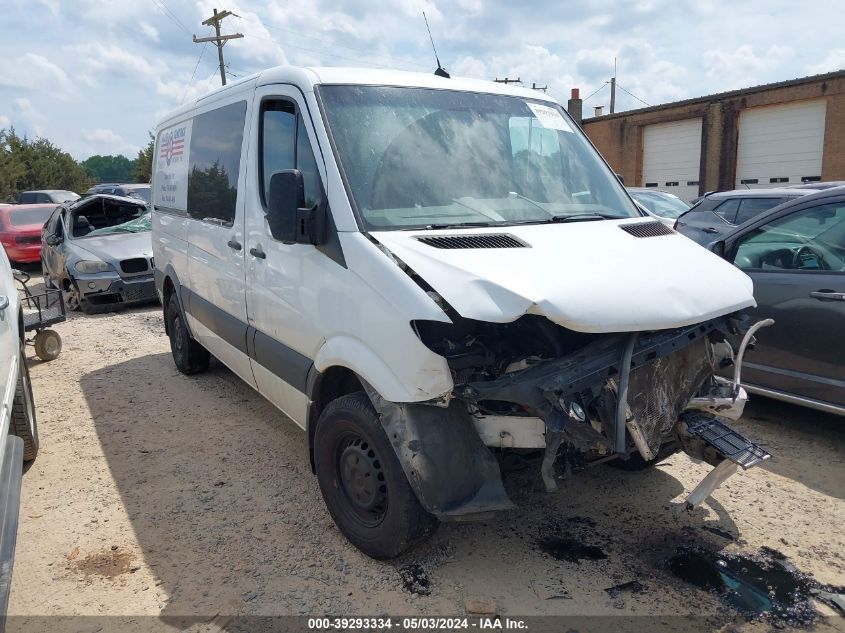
164	495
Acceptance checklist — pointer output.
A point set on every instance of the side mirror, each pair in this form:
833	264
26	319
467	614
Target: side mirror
719	248
53	240
290	222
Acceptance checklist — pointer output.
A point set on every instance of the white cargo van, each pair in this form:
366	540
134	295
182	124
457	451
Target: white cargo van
427	274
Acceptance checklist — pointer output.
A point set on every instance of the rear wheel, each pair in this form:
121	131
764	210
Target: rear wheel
190	357
362	481
23	422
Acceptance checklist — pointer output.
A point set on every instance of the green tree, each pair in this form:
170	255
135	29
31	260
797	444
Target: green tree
110	168
144	162
38	164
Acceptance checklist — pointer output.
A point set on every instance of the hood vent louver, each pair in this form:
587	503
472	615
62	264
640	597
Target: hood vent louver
647	229
492	240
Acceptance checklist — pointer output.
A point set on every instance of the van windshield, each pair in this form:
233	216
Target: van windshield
416	157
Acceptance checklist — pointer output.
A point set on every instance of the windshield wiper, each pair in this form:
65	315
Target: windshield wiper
456	225
584	217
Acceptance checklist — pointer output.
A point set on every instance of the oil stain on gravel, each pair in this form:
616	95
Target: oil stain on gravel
763	585
415	580
570	550
106	564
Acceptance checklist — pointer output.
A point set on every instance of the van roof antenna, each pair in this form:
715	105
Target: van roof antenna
440	72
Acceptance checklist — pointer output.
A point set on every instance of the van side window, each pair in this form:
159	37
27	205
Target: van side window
215	160
307	165
285	145
278	141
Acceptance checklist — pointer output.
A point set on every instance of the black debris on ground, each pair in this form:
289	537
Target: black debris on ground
763	585
415	580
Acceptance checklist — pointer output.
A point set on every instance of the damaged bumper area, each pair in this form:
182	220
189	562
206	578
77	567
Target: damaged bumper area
568	399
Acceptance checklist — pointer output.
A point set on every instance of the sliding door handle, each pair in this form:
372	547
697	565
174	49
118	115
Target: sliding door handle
258	252
828	295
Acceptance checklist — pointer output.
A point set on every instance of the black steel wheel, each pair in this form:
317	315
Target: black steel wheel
362	481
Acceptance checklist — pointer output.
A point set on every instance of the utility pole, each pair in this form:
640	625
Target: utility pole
613	89
219	40
507	80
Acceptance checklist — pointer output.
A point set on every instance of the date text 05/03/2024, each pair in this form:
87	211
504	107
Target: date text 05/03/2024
491	623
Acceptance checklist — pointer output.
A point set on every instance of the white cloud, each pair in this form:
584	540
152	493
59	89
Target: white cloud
101	58
29	118
150	32
34	72
743	67
834	61
107	142
5	122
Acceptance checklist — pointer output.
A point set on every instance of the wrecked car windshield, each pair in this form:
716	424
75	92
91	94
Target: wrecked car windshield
416	157
107	216
137	225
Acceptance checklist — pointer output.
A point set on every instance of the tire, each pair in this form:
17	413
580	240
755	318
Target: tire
71	296
23	422
190	357
362	481
48	345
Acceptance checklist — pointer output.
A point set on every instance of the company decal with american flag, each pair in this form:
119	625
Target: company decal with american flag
173	145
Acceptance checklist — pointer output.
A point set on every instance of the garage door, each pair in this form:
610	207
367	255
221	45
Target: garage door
672	157
780	145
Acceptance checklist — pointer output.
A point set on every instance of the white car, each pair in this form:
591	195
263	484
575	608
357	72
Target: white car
425	273
18	429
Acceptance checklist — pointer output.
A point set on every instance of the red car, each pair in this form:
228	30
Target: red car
20	230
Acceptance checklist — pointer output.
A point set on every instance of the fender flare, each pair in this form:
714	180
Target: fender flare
160	277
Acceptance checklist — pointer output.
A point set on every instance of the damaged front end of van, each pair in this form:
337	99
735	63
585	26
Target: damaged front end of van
565	388
569	400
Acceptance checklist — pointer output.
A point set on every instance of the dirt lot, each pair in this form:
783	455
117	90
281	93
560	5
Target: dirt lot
162	495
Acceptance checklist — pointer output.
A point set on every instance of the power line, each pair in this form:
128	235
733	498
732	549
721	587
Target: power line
597	91
632	94
197	65
172	16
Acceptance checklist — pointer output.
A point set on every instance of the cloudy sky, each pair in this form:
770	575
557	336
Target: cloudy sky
93	76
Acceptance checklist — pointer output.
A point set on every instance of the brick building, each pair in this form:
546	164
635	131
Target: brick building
766	136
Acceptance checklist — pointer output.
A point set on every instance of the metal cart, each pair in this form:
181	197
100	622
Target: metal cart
40	311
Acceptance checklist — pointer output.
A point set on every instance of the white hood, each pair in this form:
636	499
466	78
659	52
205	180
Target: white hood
585	276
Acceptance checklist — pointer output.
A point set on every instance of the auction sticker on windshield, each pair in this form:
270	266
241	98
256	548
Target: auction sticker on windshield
549	117
171	175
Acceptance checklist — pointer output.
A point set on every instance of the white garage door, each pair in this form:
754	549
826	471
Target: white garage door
780	145
672	157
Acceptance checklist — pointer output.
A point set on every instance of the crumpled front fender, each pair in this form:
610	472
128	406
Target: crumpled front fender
452	472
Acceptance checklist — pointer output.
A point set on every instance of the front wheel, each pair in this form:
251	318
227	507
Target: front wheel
70	294
23	422
362	481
